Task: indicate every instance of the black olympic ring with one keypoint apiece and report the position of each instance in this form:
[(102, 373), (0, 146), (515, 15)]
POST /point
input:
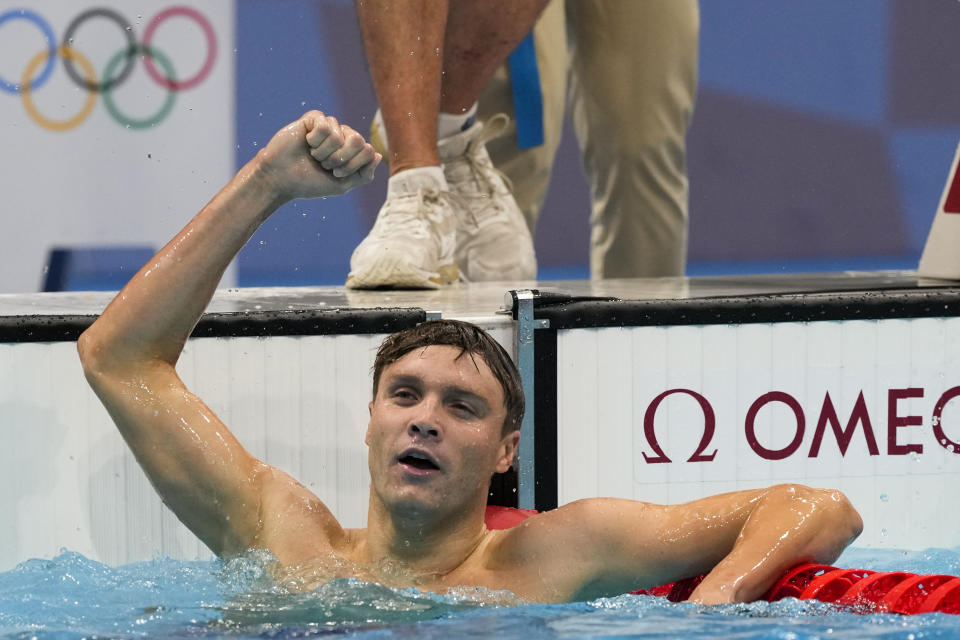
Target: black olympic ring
[(127, 30)]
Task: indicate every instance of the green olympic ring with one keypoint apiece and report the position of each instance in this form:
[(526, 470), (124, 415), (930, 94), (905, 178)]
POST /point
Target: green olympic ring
[(108, 102)]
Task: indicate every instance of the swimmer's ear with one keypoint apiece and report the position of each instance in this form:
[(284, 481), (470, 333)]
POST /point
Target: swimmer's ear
[(366, 437), (508, 451)]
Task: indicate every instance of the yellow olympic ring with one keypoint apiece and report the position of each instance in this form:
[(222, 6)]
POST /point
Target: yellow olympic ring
[(31, 109)]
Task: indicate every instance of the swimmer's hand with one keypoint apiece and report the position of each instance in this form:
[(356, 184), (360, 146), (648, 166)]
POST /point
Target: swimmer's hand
[(315, 157)]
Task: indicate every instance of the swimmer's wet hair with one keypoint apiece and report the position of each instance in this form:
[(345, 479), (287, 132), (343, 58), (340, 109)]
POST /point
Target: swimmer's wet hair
[(470, 339)]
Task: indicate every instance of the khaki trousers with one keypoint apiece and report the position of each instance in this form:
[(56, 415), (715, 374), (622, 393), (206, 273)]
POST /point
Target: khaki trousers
[(629, 70)]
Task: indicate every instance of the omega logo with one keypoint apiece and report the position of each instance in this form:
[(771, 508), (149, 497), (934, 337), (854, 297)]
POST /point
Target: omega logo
[(897, 440)]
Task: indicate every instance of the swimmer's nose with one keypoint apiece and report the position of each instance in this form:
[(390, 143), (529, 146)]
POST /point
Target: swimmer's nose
[(424, 430), (426, 420)]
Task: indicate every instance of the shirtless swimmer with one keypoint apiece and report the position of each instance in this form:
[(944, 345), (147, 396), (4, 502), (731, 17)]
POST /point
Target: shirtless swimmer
[(443, 419)]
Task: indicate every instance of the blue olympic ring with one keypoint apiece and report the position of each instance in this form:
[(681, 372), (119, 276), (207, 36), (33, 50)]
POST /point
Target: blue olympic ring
[(30, 16)]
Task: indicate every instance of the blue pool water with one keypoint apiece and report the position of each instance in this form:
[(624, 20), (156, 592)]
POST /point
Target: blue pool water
[(71, 596)]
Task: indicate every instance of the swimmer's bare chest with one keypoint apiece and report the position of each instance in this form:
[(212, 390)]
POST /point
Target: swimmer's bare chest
[(343, 560), (313, 549)]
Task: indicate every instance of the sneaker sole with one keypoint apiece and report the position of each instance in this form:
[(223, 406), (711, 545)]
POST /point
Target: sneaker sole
[(391, 274)]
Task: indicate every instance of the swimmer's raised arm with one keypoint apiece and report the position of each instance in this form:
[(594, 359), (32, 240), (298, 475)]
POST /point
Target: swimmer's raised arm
[(200, 470), (743, 540)]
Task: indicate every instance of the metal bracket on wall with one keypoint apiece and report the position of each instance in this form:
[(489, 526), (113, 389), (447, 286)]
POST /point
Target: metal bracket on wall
[(520, 304)]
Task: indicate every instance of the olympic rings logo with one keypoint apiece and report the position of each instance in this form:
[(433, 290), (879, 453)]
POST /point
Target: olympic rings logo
[(116, 71)]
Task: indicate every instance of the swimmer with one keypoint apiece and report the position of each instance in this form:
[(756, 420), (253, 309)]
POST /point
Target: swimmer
[(444, 417)]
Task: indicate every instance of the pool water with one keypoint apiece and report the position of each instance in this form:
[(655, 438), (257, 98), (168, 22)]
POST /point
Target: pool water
[(72, 596)]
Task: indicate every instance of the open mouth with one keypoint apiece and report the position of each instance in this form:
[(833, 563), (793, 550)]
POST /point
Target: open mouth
[(418, 461)]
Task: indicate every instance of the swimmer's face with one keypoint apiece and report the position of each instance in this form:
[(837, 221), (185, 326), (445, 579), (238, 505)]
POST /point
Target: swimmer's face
[(435, 431)]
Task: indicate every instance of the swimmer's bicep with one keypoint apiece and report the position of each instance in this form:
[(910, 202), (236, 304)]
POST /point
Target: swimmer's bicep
[(647, 543), (683, 540)]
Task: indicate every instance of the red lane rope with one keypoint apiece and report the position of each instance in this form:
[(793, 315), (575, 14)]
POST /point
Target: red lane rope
[(861, 590)]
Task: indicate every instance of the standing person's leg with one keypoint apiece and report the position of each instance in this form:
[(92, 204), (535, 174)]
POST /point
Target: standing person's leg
[(529, 169), (493, 239), (404, 42), (480, 35), (417, 69), (633, 89), (412, 241)]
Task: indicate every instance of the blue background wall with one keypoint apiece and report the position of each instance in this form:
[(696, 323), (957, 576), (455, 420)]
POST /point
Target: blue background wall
[(822, 137)]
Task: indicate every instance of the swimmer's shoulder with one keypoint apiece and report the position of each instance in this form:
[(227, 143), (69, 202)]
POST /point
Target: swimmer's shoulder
[(295, 524), (541, 536), (566, 541), (543, 558)]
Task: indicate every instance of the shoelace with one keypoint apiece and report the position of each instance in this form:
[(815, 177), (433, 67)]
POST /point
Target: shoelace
[(410, 218), (480, 166)]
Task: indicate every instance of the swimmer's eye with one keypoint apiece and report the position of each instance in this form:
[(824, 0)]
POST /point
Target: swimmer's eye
[(405, 394), (464, 409)]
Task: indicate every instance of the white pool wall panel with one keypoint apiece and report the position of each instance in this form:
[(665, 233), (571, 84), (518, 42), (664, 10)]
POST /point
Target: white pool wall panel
[(608, 377)]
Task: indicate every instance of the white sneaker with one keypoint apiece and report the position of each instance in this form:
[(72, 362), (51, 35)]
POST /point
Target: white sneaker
[(493, 241), (411, 245)]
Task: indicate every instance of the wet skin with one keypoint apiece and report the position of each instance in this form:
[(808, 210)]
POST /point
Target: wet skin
[(435, 439)]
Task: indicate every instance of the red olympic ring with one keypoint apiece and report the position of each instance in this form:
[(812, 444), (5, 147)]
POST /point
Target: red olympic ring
[(211, 37)]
